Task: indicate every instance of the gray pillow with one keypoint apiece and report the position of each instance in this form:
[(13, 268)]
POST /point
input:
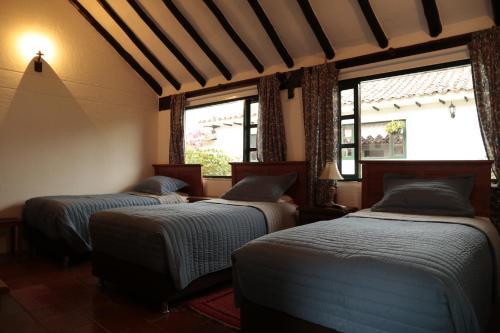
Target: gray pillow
[(159, 185), (443, 196), (260, 188)]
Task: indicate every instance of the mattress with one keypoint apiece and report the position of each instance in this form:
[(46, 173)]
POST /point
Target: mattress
[(186, 241), (67, 217), (383, 273)]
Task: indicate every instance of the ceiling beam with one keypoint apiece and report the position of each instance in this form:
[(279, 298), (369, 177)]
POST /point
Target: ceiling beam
[(139, 44), (495, 5), (432, 16), (167, 42), (316, 28), (234, 36), (118, 48), (198, 40), (372, 21), (267, 25)]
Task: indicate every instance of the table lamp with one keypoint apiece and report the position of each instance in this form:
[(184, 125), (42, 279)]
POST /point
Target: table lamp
[(331, 172)]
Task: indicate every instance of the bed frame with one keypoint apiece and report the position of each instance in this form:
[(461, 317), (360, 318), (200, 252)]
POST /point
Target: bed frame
[(258, 318), (158, 286), (59, 249)]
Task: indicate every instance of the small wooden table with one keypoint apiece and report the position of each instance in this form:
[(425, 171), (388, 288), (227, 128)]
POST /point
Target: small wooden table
[(311, 214), (14, 223), (198, 198)]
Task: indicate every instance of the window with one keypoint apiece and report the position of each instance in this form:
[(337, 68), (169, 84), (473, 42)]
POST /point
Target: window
[(423, 114), (220, 133)]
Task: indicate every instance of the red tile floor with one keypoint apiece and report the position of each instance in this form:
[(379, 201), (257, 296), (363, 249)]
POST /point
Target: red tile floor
[(55, 299), (44, 297)]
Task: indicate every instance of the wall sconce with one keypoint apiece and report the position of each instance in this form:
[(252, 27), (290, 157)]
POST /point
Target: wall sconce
[(38, 62), (452, 108)]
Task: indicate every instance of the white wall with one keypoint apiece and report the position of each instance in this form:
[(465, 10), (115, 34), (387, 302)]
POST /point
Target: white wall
[(87, 124)]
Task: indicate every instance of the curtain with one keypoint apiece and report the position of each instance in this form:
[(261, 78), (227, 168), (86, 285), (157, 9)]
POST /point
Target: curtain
[(485, 59), (320, 106), (271, 140), (176, 150)]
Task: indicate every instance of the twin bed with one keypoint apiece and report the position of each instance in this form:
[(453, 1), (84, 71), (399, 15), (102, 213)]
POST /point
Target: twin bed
[(59, 224), (376, 271)]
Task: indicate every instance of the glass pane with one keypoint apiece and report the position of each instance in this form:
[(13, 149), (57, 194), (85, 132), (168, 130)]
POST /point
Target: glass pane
[(421, 116), (253, 156), (253, 137), (348, 135), (348, 161), (254, 113), (347, 102), (214, 137)]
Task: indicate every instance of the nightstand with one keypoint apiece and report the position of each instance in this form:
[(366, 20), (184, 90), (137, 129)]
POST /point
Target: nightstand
[(199, 198), (310, 214)]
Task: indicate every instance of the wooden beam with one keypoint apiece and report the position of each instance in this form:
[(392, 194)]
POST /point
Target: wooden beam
[(372, 21), (405, 51), (234, 36), (292, 79), (139, 44), (118, 48), (167, 42), (432, 16), (316, 28), (267, 25), (495, 5), (198, 40)]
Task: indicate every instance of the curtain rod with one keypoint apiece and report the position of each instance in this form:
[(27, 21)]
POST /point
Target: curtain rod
[(292, 79)]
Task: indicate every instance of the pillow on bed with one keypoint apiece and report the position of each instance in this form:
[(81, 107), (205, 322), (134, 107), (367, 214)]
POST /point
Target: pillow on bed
[(159, 185), (443, 196), (260, 188)]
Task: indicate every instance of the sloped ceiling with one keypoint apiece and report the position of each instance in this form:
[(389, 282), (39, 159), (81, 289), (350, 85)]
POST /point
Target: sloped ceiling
[(343, 22)]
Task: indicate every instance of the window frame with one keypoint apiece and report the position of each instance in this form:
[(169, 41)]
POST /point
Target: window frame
[(355, 83), (248, 100)]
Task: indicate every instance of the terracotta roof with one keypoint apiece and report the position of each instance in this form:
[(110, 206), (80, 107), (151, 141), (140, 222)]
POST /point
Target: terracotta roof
[(412, 85)]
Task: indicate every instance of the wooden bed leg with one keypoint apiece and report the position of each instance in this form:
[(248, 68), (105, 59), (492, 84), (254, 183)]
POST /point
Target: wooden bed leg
[(164, 307), (65, 261)]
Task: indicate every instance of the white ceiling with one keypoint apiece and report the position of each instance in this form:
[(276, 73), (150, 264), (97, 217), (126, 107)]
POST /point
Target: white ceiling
[(403, 22)]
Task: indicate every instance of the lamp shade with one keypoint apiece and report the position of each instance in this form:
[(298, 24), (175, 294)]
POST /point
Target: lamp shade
[(330, 172)]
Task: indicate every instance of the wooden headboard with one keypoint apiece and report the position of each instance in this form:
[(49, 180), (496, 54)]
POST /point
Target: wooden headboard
[(373, 174), (298, 191), (190, 173)]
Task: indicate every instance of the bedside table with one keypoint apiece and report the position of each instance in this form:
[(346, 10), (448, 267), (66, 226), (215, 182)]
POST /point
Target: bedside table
[(199, 198), (310, 214)]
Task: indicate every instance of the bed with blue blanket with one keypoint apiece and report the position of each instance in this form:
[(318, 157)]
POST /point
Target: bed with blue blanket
[(59, 224), (374, 271)]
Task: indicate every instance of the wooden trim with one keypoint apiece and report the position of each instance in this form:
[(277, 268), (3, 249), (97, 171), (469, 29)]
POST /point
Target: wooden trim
[(197, 38), (271, 32), (234, 36), (372, 21), (139, 44), (316, 28), (118, 48), (167, 42), (432, 16), (495, 6)]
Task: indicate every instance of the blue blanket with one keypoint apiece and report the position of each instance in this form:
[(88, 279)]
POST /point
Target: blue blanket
[(372, 275), (67, 217), (186, 240)]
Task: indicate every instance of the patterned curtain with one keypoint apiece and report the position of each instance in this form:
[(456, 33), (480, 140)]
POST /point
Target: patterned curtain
[(319, 99), (271, 140), (485, 58), (176, 151)]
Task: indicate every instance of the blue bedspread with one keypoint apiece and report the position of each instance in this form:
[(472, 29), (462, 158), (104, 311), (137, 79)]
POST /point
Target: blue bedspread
[(67, 217), (186, 240), (372, 275)]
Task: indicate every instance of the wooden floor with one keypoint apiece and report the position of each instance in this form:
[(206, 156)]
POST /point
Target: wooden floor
[(69, 300), (55, 299)]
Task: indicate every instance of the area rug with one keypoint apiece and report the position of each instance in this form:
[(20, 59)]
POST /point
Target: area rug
[(218, 306)]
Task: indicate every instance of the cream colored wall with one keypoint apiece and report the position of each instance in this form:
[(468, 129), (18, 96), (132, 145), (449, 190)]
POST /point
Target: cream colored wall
[(87, 124)]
